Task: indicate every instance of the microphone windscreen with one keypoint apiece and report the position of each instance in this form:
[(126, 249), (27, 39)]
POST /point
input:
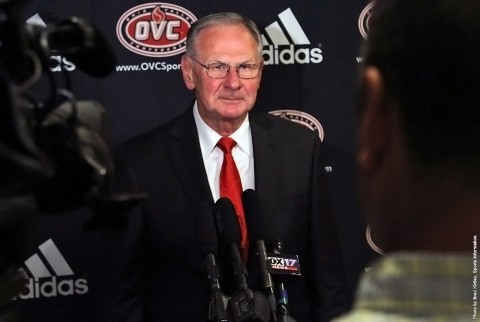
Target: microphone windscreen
[(227, 222), (255, 216), (206, 233)]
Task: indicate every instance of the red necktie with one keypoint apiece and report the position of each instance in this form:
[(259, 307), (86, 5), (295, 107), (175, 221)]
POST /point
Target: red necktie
[(231, 187)]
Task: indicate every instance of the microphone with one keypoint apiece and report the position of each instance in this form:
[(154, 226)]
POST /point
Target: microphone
[(82, 44), (255, 219), (244, 304), (280, 264), (208, 244)]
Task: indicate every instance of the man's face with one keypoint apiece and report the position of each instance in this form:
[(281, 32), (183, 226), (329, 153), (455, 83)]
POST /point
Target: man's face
[(386, 175), (230, 98)]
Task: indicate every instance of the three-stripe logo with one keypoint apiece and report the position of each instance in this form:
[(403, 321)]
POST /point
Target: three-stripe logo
[(292, 28), (54, 258), (285, 42), (50, 275)]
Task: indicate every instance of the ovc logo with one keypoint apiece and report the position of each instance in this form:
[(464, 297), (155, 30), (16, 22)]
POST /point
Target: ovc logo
[(155, 29), (302, 118), (364, 20)]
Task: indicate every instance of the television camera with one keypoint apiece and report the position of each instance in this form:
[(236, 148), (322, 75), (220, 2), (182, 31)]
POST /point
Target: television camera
[(53, 153)]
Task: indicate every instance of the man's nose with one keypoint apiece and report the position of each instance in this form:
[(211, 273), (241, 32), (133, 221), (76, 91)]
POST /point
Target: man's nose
[(232, 80)]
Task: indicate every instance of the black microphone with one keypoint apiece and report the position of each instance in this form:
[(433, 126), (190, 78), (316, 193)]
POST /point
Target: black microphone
[(245, 304), (257, 227), (83, 45), (208, 245)]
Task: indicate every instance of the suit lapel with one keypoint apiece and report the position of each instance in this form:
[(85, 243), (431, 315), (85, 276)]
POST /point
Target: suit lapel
[(184, 149), (265, 148)]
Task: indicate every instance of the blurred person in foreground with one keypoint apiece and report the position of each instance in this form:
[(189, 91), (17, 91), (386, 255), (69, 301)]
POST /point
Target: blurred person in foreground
[(418, 160), (178, 165)]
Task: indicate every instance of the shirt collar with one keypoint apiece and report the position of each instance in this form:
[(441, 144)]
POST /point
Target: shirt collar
[(209, 138), (410, 282)]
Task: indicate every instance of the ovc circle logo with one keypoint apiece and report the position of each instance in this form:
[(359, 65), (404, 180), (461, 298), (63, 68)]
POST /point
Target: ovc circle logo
[(302, 118), (155, 29), (364, 20), (371, 242)]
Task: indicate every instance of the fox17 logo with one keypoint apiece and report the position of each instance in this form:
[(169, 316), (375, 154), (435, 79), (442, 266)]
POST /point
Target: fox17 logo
[(283, 264)]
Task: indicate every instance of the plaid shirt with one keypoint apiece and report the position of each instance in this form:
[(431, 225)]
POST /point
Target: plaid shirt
[(419, 287)]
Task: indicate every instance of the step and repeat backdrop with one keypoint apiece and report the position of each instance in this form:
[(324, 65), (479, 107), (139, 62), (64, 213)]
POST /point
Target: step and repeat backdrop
[(311, 53)]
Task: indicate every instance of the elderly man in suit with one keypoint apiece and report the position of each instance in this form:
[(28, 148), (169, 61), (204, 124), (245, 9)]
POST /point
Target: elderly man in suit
[(179, 165)]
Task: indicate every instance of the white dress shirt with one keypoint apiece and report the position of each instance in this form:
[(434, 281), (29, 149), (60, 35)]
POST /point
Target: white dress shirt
[(213, 157)]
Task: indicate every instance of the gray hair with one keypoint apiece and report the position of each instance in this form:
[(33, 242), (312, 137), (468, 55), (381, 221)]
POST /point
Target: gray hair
[(221, 19)]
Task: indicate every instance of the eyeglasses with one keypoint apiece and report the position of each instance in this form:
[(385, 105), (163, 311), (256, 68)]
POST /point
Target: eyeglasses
[(220, 70)]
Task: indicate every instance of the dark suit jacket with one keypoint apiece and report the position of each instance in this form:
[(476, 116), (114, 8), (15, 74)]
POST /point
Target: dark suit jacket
[(167, 280)]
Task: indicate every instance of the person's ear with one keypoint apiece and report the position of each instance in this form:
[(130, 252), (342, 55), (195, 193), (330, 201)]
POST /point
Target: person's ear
[(374, 128), (187, 72)]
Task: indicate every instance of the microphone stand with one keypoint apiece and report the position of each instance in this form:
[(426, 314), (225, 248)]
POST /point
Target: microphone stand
[(282, 293), (218, 301), (266, 279), (241, 303), (244, 305)]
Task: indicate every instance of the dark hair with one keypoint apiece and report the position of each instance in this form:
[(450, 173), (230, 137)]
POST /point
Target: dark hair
[(428, 52), (220, 19)]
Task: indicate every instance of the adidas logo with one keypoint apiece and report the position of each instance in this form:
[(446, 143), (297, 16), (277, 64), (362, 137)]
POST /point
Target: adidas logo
[(36, 20), (50, 275), (57, 63), (285, 42)]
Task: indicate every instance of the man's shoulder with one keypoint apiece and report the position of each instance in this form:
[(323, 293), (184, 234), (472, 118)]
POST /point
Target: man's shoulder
[(174, 126)]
